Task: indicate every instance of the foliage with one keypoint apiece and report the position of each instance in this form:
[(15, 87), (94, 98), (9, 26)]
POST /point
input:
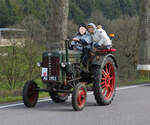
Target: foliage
[(20, 64), (13, 11), (126, 29)]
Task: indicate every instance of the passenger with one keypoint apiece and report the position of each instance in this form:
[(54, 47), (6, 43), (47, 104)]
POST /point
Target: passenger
[(82, 42), (99, 37)]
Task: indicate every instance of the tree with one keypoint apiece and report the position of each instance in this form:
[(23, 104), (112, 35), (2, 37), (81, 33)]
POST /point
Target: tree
[(144, 33), (128, 7), (116, 11), (34, 43), (20, 64), (58, 20), (126, 29), (76, 13), (7, 14), (11, 71)]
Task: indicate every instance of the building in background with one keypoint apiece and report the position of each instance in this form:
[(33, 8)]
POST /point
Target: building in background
[(11, 37)]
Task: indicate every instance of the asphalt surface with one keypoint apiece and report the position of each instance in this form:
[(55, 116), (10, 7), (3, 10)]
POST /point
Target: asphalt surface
[(130, 107)]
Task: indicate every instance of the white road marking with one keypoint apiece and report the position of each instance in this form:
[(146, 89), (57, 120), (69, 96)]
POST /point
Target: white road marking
[(18, 104), (89, 93), (132, 86), (12, 105)]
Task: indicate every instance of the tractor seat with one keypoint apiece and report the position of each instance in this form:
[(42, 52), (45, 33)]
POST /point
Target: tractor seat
[(107, 50)]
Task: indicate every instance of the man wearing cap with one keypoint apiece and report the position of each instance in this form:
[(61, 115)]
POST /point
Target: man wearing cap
[(99, 37), (82, 42), (82, 39)]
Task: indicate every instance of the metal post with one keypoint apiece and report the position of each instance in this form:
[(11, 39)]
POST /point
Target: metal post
[(0, 34), (66, 49)]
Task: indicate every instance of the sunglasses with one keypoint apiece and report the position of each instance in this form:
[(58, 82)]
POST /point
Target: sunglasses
[(89, 26)]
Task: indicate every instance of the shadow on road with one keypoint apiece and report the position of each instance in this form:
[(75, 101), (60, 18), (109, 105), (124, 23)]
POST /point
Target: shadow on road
[(148, 85), (52, 107)]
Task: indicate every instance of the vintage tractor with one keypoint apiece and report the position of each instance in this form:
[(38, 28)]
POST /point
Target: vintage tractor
[(63, 74)]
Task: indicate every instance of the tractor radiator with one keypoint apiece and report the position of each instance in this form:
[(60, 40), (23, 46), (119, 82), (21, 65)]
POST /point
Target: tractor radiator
[(53, 65)]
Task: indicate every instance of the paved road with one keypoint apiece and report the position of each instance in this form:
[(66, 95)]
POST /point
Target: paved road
[(130, 107)]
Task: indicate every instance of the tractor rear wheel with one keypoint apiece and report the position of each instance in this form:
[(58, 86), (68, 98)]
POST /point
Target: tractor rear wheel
[(30, 94), (105, 82)]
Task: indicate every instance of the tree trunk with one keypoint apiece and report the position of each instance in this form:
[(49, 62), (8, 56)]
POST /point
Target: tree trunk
[(58, 20), (144, 33)]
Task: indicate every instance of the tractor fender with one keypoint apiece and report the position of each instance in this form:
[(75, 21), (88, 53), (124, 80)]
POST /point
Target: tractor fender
[(102, 59)]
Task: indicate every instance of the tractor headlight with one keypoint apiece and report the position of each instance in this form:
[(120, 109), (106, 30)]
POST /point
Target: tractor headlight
[(38, 64), (63, 65)]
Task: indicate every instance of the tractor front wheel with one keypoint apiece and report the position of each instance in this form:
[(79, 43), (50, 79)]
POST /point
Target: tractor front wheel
[(30, 94), (79, 96)]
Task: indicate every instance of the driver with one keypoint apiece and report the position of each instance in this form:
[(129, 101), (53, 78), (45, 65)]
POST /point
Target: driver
[(99, 37), (82, 39), (82, 42)]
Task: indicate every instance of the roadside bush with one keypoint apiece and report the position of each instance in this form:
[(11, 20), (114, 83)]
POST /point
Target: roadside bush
[(20, 64), (126, 29)]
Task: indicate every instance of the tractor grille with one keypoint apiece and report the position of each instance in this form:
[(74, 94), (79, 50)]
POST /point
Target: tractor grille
[(45, 62), (52, 63), (54, 66)]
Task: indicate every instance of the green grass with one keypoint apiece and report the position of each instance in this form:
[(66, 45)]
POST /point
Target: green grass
[(10, 99), (133, 82), (8, 95), (19, 98)]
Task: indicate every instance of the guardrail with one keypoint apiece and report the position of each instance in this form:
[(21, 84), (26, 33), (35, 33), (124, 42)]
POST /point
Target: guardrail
[(12, 42), (144, 70)]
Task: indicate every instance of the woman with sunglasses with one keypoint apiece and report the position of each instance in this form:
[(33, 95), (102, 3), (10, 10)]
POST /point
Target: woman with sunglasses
[(99, 37)]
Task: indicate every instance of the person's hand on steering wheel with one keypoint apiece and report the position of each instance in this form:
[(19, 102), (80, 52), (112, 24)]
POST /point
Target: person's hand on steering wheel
[(76, 39)]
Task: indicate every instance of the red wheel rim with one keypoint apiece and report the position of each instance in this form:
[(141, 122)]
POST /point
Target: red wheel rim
[(32, 94), (81, 97), (108, 80)]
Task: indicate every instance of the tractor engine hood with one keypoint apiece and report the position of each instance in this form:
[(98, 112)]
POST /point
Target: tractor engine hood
[(71, 53)]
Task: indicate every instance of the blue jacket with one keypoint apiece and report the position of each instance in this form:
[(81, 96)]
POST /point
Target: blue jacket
[(85, 41)]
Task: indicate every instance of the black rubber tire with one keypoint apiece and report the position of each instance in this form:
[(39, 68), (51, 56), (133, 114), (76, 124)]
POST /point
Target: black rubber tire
[(75, 93), (57, 98), (30, 95), (99, 97)]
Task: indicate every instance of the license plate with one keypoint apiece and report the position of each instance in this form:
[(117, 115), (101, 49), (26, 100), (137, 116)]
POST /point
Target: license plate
[(44, 72), (45, 75), (53, 78)]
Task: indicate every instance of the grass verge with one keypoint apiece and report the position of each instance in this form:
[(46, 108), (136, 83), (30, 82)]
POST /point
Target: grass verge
[(133, 82), (19, 98)]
